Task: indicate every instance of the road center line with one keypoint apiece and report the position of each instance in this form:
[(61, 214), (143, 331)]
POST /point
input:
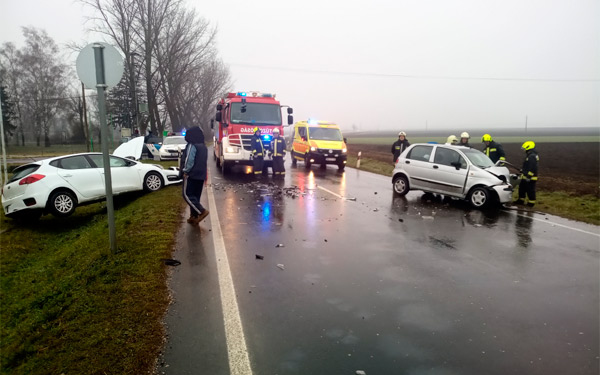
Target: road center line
[(335, 194), (237, 352), (559, 225)]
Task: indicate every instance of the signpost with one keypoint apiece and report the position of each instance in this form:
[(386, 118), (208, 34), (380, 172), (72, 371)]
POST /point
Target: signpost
[(100, 67)]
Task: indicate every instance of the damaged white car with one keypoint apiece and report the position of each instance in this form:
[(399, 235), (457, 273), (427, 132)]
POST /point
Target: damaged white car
[(58, 185), (454, 171)]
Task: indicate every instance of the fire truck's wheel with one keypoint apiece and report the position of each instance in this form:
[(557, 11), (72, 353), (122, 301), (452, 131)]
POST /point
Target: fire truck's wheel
[(306, 162), (214, 156), (224, 167), (218, 162), (294, 161)]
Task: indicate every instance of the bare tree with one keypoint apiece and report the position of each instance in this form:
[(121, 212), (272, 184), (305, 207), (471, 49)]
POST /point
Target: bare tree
[(11, 74)]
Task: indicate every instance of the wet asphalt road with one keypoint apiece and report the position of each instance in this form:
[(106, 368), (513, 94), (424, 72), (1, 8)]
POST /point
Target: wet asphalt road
[(382, 284)]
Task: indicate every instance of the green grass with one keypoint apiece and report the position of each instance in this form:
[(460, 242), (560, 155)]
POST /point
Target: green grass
[(582, 208), (69, 305), (474, 141)]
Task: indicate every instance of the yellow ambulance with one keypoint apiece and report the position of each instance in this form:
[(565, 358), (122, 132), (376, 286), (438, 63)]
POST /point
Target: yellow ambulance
[(318, 142)]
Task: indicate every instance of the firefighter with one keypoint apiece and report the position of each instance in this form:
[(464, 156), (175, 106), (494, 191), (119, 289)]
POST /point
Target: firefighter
[(258, 151), (529, 174), (400, 145), (452, 140), (464, 139), (492, 149), (278, 146)]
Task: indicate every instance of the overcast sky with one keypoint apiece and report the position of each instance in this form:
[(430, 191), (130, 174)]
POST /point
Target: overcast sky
[(393, 64)]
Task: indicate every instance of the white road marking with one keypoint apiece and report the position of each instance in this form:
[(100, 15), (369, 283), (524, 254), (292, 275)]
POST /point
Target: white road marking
[(237, 352), (559, 225), (334, 194)]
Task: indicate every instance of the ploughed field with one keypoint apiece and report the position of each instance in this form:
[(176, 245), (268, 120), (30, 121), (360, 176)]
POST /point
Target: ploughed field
[(570, 167)]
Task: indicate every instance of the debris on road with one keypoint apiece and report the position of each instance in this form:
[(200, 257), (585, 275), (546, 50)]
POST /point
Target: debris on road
[(401, 220), (427, 217), (260, 257), (171, 262), (280, 245), (360, 372), (281, 266)]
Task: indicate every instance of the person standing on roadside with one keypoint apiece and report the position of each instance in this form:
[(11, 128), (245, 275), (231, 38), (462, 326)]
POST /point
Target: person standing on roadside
[(400, 145), (258, 152), (193, 167), (464, 139), (529, 175), (492, 149), (278, 146)]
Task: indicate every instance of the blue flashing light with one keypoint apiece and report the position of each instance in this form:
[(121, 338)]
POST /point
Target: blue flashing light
[(241, 94), (183, 131), (312, 122), (267, 137)]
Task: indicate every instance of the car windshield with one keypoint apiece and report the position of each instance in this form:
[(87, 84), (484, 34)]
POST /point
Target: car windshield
[(174, 141), (256, 113), (324, 134), (478, 158)]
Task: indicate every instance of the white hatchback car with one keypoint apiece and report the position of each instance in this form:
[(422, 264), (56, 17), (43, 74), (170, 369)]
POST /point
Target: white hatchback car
[(455, 171), (171, 147), (58, 185)]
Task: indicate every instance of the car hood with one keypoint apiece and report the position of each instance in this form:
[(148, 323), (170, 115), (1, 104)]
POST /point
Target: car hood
[(131, 149), (499, 171)]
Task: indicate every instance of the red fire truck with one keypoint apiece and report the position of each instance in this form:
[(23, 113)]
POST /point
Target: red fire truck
[(237, 116)]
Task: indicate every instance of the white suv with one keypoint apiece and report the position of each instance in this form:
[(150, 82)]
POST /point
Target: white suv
[(454, 171)]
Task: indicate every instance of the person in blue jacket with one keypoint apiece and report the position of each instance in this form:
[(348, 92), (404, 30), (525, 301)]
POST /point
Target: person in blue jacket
[(193, 166)]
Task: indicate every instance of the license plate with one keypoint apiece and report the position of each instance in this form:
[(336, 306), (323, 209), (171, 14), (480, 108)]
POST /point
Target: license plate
[(329, 159)]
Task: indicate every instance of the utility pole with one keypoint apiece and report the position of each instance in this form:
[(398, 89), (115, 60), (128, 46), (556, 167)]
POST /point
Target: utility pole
[(4, 168), (86, 129)]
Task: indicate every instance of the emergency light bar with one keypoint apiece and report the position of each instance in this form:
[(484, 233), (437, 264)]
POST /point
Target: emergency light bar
[(253, 94)]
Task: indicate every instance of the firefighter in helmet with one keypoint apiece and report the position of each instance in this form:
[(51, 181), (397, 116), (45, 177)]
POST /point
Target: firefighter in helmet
[(452, 140), (464, 139), (492, 149), (400, 145), (529, 174), (278, 146), (258, 152)]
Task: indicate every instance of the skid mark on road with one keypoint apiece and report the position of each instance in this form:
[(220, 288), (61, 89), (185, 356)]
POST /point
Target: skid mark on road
[(237, 352)]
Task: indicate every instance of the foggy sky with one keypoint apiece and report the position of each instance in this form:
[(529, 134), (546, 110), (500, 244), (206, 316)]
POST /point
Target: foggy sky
[(393, 64)]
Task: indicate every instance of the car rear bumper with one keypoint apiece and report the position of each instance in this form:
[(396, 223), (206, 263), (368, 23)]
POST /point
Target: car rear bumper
[(23, 202)]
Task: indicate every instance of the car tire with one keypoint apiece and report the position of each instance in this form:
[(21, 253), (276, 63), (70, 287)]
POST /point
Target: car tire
[(400, 185), (294, 161), (62, 203), (153, 182), (307, 163), (479, 197), (341, 166)]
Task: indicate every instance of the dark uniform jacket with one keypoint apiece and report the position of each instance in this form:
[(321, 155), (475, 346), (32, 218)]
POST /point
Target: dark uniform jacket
[(466, 144), (278, 146), (494, 151), (398, 147), (258, 149), (530, 166), (195, 155)]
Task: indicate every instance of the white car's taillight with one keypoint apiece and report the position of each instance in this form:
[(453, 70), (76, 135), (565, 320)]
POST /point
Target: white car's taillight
[(31, 179)]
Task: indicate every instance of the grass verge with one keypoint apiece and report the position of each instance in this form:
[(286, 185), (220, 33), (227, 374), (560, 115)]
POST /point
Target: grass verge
[(69, 306), (584, 208)]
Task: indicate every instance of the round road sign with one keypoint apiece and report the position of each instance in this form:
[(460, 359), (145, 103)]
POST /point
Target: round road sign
[(86, 66)]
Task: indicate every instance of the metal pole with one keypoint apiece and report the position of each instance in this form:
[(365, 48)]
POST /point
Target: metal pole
[(101, 86), (4, 168)]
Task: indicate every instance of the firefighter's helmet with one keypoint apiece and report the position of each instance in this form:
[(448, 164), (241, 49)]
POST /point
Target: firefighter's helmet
[(256, 129), (529, 145), (402, 133), (486, 138), (275, 131), (465, 135), (452, 140)]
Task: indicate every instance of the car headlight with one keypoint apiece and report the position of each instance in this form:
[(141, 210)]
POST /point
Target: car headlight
[(313, 149), (231, 150), (344, 150)]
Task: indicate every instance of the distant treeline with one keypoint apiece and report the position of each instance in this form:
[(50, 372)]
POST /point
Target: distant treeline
[(567, 131)]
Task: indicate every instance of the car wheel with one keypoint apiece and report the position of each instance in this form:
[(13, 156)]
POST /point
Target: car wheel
[(294, 161), (341, 166), (306, 162), (153, 182), (62, 203), (400, 184), (479, 197)]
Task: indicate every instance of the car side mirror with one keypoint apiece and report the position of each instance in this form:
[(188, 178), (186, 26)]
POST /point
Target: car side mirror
[(219, 107), (212, 124), (218, 117), (345, 140), (290, 119), (456, 165), (290, 110)]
